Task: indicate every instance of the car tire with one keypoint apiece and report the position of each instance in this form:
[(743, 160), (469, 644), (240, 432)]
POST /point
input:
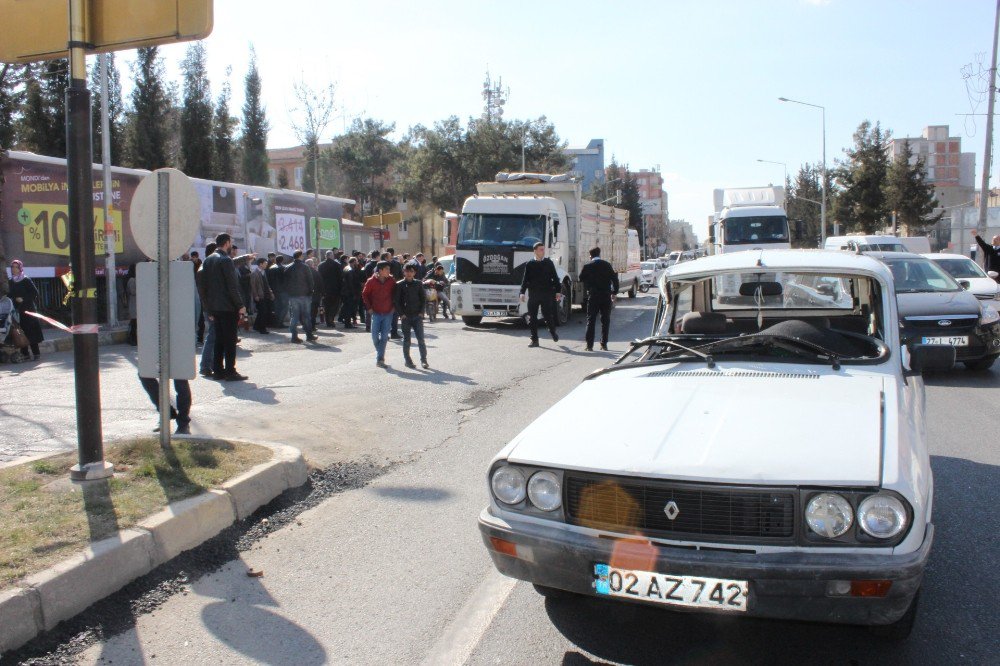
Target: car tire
[(644, 288), (471, 320), (632, 290), (901, 628), (980, 365)]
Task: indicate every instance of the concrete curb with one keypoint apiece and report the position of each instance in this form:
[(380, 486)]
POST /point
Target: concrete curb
[(45, 599), (65, 343)]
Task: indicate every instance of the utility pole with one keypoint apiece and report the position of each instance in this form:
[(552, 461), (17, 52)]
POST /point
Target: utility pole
[(80, 183), (110, 238), (984, 193)]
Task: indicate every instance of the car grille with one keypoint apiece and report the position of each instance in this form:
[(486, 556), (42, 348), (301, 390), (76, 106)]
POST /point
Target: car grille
[(703, 512), (933, 323)]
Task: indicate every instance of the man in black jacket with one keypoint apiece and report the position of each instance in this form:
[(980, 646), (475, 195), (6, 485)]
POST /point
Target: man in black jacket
[(601, 282), (396, 271), (991, 253), (409, 300), (225, 304), (542, 284), (299, 286), (332, 272), (275, 278)]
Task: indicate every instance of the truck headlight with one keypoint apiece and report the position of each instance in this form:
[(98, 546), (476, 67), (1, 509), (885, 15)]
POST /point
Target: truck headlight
[(545, 491), (508, 485), (829, 515), (988, 315), (882, 516)]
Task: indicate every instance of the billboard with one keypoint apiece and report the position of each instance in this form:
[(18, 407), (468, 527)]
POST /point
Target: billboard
[(34, 221)]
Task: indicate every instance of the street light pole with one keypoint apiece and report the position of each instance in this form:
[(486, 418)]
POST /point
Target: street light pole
[(783, 166), (822, 211)]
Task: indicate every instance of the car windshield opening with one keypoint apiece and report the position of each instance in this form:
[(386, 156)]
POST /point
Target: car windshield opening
[(510, 230), (961, 268), (916, 275), (756, 229)]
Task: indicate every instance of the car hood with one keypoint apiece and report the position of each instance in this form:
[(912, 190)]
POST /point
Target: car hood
[(937, 303), (802, 426), (982, 287)]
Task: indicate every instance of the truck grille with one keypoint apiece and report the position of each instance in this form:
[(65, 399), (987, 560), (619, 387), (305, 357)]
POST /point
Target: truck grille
[(494, 296), (699, 512)]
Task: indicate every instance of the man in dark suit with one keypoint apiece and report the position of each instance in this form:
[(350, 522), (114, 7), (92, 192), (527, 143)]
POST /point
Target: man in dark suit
[(601, 282), (332, 272), (991, 253), (541, 281), (225, 305)]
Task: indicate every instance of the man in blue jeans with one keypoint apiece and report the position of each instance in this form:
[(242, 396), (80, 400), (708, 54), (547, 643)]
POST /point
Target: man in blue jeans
[(410, 302), (378, 298), (299, 283)]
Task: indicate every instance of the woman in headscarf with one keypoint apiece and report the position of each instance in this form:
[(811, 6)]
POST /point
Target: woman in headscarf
[(25, 297)]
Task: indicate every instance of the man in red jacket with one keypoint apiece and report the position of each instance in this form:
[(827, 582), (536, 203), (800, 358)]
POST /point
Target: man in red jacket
[(378, 298)]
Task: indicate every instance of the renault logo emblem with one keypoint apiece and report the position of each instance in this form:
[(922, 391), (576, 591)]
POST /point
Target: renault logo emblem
[(671, 510), (944, 322)]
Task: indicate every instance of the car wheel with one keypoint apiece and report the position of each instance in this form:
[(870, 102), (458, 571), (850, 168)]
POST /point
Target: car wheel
[(901, 628), (980, 365), (632, 290), (470, 320)]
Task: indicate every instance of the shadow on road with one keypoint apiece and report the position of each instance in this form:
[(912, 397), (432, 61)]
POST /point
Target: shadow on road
[(431, 376), (413, 493), (250, 392), (957, 620), (960, 377)]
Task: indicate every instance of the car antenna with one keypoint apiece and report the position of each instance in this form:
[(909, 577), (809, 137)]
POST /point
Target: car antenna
[(760, 259)]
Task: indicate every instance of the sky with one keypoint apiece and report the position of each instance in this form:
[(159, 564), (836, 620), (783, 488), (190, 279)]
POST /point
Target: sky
[(691, 87)]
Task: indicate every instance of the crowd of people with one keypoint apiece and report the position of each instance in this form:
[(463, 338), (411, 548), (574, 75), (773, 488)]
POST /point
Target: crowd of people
[(266, 293)]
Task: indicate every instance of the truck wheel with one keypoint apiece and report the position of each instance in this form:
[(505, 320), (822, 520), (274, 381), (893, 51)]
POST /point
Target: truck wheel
[(901, 628), (471, 320), (565, 307), (632, 290), (980, 365)]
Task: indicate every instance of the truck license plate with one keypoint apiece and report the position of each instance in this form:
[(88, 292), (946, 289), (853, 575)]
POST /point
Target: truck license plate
[(494, 313), (672, 590), (948, 340)]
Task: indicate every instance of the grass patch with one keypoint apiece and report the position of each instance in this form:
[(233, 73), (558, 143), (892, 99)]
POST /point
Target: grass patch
[(45, 518)]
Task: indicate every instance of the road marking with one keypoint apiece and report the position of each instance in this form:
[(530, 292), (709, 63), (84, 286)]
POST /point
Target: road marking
[(462, 636)]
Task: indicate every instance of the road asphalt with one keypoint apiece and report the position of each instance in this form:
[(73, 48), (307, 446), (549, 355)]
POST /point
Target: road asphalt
[(395, 571)]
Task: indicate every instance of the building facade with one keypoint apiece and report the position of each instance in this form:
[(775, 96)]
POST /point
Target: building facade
[(949, 170), (653, 199), (588, 163)]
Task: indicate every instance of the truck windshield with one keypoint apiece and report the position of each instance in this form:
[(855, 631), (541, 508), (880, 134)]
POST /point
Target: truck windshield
[(757, 229), (491, 229)]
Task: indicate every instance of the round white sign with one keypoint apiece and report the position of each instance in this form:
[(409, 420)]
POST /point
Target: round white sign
[(183, 214)]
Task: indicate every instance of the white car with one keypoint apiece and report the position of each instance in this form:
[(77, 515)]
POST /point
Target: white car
[(731, 489), (969, 274)]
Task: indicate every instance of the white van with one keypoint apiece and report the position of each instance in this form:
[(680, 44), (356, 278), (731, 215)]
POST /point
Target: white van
[(868, 244)]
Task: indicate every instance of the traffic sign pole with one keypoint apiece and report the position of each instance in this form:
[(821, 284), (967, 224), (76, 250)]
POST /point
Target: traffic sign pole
[(163, 284), (80, 183)]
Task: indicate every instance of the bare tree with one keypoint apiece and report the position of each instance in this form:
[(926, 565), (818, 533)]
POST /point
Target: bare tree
[(309, 119)]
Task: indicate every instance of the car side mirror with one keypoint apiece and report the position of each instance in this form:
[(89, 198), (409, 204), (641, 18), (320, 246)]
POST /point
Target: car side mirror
[(964, 284), (993, 274), (933, 358)]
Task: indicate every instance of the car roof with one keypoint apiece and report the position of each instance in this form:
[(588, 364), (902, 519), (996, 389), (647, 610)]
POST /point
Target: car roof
[(945, 255), (832, 260), (885, 256)]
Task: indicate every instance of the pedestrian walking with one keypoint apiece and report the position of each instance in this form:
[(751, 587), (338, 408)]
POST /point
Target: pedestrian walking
[(225, 305), (317, 295), (410, 301), (182, 413), (351, 277), (368, 271), (991, 253), (275, 278), (378, 297), (24, 294), (299, 287), (600, 280), (332, 273), (541, 281), (263, 297)]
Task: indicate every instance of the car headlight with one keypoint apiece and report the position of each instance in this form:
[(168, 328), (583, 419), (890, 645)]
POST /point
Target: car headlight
[(882, 516), (829, 515), (989, 315), (544, 491), (508, 484)]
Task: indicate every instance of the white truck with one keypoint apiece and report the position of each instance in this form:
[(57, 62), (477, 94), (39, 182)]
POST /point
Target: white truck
[(503, 221), (747, 218)]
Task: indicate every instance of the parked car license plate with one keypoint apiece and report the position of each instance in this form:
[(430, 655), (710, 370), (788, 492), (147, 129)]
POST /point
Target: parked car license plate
[(951, 340), (672, 590), (494, 313)]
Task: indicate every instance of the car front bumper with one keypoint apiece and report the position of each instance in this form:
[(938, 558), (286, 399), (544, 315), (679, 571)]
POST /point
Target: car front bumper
[(794, 585)]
